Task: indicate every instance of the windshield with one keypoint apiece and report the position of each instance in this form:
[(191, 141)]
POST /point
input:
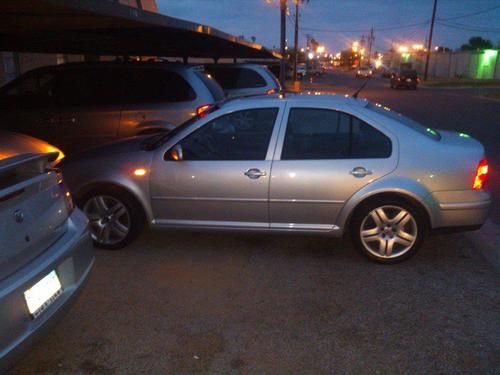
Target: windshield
[(408, 122)]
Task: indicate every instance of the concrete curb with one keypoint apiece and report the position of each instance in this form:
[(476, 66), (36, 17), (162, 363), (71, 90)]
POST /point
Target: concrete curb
[(487, 241), (423, 86)]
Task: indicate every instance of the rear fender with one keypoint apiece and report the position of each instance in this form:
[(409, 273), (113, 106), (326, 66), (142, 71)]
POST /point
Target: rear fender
[(406, 187)]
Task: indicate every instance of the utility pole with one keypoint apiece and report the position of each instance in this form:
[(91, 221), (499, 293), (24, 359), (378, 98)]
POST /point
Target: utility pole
[(370, 43), (296, 41), (282, 42), (429, 44)]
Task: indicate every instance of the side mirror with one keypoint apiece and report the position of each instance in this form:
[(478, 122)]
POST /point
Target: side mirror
[(174, 154)]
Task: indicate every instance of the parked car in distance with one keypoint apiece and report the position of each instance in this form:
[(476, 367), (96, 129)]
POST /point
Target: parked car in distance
[(320, 164), (78, 105), (301, 70), (45, 249), (405, 78), (244, 79), (364, 71)]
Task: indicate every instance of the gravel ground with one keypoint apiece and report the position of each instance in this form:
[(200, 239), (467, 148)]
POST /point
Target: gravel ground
[(182, 302)]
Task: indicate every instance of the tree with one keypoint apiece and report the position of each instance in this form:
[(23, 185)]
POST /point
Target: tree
[(476, 43)]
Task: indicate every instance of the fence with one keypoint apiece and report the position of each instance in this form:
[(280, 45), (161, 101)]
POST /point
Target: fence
[(468, 64)]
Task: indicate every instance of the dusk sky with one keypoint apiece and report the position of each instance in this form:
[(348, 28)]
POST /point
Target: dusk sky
[(336, 23)]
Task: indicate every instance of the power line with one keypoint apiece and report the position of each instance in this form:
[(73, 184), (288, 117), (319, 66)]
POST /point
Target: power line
[(470, 14), (366, 30), (472, 26), (469, 28)]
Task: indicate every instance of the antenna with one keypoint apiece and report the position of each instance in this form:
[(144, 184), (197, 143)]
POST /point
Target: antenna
[(355, 95)]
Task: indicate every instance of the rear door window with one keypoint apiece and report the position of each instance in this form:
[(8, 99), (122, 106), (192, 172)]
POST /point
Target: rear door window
[(156, 86), (88, 87), (316, 134)]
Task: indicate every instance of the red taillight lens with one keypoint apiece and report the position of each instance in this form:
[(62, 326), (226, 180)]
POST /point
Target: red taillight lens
[(481, 175), (271, 91), (203, 110)]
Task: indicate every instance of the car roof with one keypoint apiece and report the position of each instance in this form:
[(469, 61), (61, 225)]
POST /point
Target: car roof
[(127, 64), (306, 98)]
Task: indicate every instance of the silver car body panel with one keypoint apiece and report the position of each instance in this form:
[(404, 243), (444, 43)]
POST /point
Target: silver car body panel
[(316, 196), (40, 234)]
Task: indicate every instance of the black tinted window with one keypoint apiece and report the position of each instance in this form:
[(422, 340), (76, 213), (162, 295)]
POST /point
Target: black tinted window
[(156, 86), (33, 89), (242, 135), (327, 134), (82, 87), (237, 78)]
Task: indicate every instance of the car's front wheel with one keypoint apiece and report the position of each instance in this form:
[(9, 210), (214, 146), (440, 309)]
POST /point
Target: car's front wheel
[(115, 217), (388, 232)]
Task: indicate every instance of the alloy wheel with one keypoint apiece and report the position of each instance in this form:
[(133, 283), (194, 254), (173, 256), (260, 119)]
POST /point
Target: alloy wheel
[(388, 231), (109, 219)]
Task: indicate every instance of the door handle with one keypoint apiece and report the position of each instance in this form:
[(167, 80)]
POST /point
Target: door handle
[(254, 173), (360, 172)]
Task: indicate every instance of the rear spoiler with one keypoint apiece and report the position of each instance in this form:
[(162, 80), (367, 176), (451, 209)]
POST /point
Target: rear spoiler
[(26, 163)]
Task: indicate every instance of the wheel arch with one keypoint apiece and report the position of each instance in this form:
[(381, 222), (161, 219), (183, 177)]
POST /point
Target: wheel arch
[(408, 197), (96, 185)]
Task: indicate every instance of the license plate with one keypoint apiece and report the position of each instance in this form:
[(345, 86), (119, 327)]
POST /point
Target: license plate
[(43, 294), (408, 79)]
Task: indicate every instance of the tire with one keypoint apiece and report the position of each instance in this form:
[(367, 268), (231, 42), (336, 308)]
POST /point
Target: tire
[(393, 230), (116, 218)]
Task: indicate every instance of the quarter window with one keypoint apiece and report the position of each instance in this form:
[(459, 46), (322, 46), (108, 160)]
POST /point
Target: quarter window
[(237, 78), (327, 134), (156, 86), (242, 135)]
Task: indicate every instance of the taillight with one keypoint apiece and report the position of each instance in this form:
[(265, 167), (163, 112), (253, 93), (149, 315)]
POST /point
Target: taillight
[(271, 91), (203, 110), (68, 199), (481, 175)]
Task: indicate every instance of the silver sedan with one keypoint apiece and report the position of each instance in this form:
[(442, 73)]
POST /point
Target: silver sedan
[(322, 164)]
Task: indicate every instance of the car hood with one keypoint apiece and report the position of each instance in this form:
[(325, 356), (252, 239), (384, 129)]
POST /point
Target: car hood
[(125, 145)]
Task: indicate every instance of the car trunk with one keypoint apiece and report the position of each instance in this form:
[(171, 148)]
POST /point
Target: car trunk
[(33, 209)]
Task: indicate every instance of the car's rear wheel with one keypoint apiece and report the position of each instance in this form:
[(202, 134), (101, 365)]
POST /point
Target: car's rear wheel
[(388, 232), (115, 217)]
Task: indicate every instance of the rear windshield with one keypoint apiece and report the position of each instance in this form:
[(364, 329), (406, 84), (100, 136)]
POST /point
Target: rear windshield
[(212, 86), (408, 122), (409, 73)]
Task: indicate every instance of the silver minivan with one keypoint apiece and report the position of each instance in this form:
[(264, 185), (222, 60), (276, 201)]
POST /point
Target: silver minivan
[(46, 252), (79, 105)]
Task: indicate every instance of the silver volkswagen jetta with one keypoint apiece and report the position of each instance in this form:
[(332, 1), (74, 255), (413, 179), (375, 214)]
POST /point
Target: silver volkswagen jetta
[(321, 164)]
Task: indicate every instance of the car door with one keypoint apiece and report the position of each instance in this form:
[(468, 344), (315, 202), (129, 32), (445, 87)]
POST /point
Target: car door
[(88, 104), (26, 106), (223, 177), (323, 157)]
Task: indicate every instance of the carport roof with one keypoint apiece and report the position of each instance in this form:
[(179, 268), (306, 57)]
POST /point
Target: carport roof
[(104, 27)]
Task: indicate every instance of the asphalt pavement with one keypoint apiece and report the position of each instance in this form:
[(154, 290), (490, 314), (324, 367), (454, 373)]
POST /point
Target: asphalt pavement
[(182, 302)]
